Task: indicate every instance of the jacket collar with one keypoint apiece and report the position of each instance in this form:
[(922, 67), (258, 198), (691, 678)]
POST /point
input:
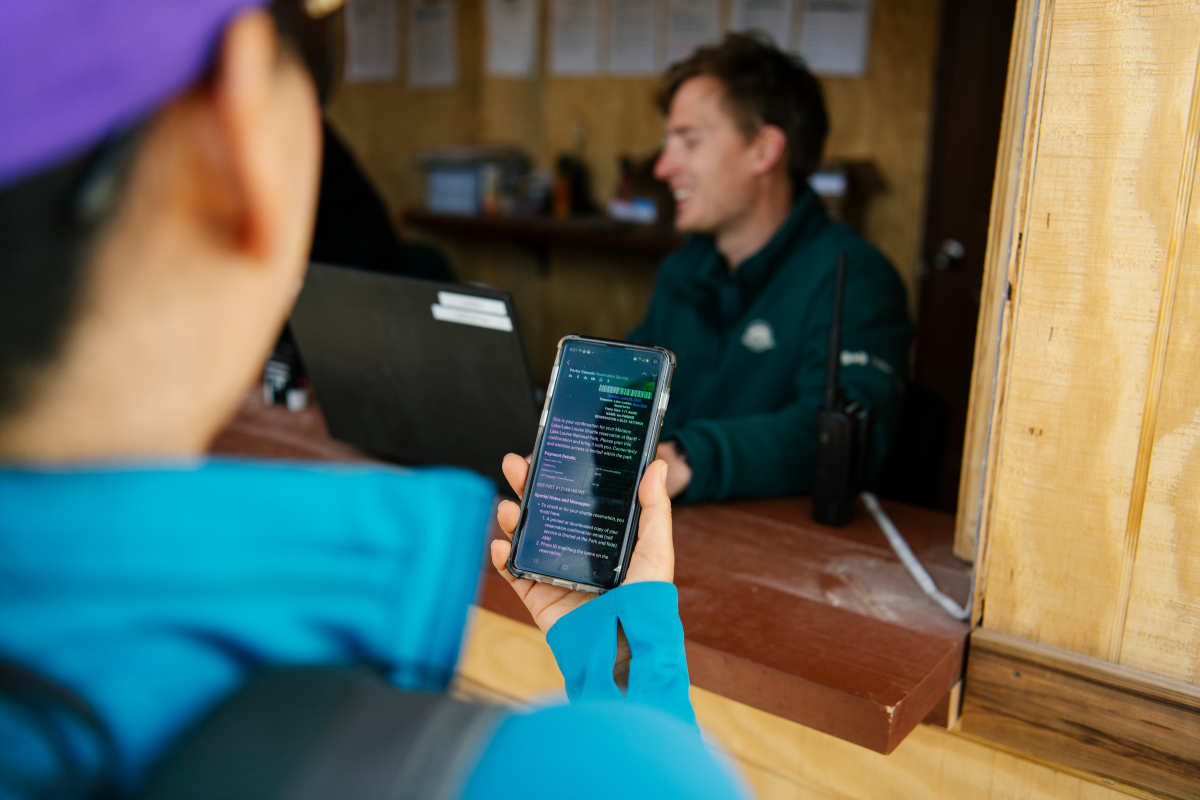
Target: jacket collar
[(711, 276)]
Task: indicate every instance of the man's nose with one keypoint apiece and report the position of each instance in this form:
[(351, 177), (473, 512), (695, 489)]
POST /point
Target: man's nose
[(663, 167)]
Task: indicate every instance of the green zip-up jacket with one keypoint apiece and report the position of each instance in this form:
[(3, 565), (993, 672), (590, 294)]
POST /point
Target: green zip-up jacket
[(752, 349)]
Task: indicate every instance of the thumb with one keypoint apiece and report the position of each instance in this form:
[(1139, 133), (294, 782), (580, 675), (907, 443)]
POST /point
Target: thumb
[(654, 554)]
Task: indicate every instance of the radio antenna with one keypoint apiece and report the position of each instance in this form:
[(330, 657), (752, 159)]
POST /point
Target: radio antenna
[(833, 367)]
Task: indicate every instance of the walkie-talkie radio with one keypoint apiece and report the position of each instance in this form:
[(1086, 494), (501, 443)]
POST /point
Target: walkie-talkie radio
[(843, 431)]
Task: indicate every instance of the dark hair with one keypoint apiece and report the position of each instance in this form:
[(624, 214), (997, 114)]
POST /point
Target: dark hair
[(49, 224), (763, 86)]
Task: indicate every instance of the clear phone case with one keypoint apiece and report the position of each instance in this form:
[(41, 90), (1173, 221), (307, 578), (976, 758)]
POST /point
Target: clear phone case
[(654, 428)]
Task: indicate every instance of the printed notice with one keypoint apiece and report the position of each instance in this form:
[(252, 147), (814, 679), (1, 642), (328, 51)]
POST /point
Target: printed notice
[(770, 17), (632, 37), (836, 36), (371, 40), (690, 24), (512, 35), (432, 44), (574, 35)]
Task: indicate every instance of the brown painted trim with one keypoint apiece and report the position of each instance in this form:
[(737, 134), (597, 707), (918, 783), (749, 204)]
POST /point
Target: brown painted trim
[(1105, 719)]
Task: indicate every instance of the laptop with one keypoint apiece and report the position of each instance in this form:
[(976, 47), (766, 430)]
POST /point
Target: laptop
[(417, 372)]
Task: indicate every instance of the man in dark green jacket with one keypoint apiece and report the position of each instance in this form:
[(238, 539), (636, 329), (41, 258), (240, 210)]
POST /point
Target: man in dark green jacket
[(746, 302)]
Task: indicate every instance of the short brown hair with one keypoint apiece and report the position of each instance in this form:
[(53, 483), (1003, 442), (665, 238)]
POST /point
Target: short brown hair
[(763, 86)]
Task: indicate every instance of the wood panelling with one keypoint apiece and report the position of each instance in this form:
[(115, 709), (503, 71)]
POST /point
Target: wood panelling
[(1161, 629), (781, 759), (884, 116), (1118, 722), (1014, 170), (1097, 234)]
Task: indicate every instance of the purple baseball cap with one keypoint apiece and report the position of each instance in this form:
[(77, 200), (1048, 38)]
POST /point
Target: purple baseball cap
[(73, 72)]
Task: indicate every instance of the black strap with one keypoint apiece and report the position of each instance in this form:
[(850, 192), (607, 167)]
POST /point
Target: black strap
[(323, 733), (86, 761)]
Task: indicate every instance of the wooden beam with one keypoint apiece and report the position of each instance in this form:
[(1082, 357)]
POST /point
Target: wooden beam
[(1015, 157), (1088, 714)]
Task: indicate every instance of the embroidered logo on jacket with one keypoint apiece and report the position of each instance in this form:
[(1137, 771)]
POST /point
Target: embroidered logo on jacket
[(759, 336)]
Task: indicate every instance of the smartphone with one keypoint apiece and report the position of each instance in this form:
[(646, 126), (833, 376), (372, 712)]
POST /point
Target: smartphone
[(598, 433)]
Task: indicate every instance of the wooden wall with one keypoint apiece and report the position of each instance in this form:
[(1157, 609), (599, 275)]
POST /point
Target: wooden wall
[(885, 116), (1093, 538)]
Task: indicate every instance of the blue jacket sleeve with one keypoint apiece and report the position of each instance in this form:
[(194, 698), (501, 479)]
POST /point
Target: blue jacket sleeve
[(585, 644), (599, 750)]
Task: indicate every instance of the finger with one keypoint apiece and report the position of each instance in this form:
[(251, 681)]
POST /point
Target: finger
[(500, 551), (508, 514), (655, 546), (516, 469)]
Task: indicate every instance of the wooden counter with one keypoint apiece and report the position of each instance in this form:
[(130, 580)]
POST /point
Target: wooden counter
[(817, 625)]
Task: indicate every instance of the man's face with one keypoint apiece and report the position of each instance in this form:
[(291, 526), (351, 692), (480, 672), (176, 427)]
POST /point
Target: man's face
[(706, 159)]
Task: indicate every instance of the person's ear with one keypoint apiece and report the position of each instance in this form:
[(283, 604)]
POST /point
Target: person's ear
[(768, 148), (242, 85)]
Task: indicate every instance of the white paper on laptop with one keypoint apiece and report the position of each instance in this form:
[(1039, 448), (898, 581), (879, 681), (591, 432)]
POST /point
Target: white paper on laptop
[(467, 309)]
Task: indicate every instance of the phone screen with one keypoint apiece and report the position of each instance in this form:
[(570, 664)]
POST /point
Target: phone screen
[(596, 432)]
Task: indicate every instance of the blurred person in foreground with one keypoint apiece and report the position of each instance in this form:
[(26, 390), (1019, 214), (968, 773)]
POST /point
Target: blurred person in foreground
[(158, 179), (746, 302)]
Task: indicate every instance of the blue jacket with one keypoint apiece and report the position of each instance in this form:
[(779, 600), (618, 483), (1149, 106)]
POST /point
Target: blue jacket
[(154, 592)]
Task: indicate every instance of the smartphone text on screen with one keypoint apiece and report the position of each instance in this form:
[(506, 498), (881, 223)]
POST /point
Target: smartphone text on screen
[(583, 490)]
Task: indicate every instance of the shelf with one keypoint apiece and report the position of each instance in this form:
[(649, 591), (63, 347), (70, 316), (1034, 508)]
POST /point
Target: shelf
[(599, 233)]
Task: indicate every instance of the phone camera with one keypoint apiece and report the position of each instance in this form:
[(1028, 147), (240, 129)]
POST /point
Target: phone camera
[(655, 361)]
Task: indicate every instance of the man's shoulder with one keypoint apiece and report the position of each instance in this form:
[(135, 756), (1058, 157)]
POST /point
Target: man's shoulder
[(835, 238), (815, 260)]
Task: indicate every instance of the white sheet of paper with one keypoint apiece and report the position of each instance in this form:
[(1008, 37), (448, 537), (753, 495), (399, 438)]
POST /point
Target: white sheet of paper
[(432, 43), (512, 35), (836, 36), (691, 23), (772, 17), (631, 37), (574, 35), (371, 40)]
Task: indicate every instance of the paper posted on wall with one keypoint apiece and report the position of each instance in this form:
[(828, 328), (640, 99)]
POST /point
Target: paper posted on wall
[(690, 24), (432, 43), (512, 36), (575, 37), (371, 40), (770, 17), (632, 36), (836, 36)]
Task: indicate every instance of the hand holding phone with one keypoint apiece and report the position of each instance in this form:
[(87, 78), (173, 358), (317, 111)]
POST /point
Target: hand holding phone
[(653, 555), (600, 425)]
